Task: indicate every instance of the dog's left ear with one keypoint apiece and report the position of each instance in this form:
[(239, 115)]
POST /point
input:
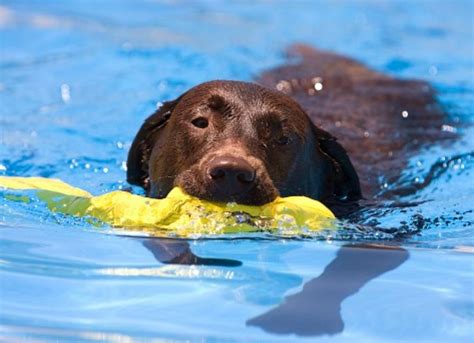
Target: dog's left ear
[(345, 181), (139, 154)]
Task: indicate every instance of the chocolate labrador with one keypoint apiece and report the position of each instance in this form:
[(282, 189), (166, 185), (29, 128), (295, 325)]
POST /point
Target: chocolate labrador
[(237, 141)]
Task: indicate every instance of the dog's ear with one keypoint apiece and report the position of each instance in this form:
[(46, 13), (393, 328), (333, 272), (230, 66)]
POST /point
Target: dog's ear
[(345, 182), (139, 154)]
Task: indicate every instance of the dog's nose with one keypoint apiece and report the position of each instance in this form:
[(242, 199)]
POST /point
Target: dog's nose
[(231, 174)]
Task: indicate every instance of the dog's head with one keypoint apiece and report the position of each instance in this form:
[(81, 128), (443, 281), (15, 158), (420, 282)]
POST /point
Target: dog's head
[(235, 141)]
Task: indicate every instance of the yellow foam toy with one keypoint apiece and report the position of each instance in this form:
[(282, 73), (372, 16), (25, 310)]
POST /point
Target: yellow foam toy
[(179, 214)]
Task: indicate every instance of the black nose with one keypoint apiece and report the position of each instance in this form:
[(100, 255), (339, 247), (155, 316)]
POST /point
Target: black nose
[(230, 175)]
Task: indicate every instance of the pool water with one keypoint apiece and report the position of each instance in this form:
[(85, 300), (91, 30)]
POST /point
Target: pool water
[(77, 78)]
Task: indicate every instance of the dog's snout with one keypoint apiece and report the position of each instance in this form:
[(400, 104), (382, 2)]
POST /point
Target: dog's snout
[(232, 174)]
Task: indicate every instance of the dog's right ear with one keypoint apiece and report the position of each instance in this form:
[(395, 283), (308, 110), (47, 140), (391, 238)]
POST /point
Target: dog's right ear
[(345, 181), (139, 154)]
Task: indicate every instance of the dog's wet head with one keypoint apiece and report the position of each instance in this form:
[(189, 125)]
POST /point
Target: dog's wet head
[(231, 141)]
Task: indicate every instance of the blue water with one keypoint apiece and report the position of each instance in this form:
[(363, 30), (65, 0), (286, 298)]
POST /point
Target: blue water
[(77, 78)]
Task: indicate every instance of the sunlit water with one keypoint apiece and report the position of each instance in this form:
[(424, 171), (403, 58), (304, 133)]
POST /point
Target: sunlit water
[(78, 78)]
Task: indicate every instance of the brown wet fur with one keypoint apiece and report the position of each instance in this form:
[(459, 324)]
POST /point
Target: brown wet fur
[(363, 109)]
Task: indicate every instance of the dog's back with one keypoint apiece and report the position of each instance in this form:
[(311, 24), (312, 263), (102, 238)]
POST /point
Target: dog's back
[(380, 120)]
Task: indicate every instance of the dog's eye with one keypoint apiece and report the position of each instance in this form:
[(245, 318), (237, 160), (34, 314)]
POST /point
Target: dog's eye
[(283, 140), (200, 122)]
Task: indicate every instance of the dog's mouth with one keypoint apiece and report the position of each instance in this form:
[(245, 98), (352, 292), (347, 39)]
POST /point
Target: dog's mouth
[(261, 191)]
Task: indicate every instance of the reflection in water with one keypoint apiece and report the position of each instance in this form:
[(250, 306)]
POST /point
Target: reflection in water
[(316, 310), (176, 251)]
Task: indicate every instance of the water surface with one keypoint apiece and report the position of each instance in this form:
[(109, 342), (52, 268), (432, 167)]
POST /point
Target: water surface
[(78, 78)]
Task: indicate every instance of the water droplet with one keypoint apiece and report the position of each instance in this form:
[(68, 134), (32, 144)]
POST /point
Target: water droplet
[(65, 92), (317, 83), (433, 70), (123, 165), (405, 114), (87, 166), (105, 170), (283, 86), (162, 85), (366, 134), (448, 128)]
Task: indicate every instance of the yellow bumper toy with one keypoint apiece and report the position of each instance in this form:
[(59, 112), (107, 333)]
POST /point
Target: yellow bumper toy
[(179, 214)]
